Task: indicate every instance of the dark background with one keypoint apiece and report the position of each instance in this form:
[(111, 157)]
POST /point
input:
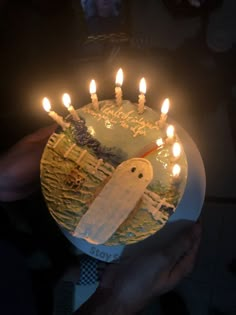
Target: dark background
[(45, 50)]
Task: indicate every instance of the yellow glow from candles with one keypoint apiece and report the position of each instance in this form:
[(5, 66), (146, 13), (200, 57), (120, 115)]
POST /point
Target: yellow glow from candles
[(176, 149), (176, 170), (92, 87), (170, 131), (46, 104), (119, 77), (142, 86), (66, 100), (159, 142), (165, 106)]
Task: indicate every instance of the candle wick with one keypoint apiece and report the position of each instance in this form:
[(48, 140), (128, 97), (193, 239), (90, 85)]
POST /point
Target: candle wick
[(155, 148)]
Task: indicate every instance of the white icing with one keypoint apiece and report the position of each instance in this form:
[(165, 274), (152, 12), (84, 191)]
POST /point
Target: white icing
[(116, 200), (55, 139), (153, 202), (82, 155), (69, 150), (100, 161)]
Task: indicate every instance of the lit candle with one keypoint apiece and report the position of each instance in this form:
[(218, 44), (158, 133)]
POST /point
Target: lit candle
[(66, 100), (170, 132), (150, 148), (58, 119), (176, 174), (176, 151), (94, 97), (118, 91), (142, 99), (164, 110), (159, 142)]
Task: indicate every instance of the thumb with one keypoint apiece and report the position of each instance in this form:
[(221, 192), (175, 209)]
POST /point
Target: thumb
[(42, 133), (184, 266), (183, 243)]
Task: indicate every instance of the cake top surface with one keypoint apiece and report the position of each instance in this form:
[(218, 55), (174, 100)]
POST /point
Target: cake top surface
[(110, 173)]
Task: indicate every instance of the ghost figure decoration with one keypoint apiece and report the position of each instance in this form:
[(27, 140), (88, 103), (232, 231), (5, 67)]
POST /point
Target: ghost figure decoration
[(116, 201)]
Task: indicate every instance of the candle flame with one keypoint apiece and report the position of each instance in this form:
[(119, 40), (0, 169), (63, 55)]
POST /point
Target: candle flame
[(159, 142), (92, 88), (66, 100), (119, 77), (142, 86), (170, 131), (165, 106), (46, 104), (176, 170), (176, 149)]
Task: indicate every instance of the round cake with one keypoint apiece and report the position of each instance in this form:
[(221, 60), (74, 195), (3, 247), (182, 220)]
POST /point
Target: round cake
[(107, 177)]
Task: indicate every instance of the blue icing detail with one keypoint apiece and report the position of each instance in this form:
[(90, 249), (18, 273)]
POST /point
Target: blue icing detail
[(82, 137)]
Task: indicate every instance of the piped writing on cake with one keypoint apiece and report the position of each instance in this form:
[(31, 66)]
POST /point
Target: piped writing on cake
[(128, 120)]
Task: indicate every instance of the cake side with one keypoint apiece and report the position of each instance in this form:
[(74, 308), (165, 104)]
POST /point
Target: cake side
[(77, 164)]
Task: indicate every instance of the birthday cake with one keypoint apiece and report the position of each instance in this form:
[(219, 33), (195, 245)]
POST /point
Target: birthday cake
[(110, 175)]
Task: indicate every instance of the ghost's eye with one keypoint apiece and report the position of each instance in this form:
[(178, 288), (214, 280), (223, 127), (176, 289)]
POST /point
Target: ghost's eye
[(140, 175), (133, 169)]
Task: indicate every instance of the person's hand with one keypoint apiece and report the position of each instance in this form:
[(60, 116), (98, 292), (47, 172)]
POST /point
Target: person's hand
[(19, 167), (135, 281)]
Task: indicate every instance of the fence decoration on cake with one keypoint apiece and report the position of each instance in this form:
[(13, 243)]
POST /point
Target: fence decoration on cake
[(84, 176)]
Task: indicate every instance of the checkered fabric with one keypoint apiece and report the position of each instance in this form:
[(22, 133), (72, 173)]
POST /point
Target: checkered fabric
[(88, 270)]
